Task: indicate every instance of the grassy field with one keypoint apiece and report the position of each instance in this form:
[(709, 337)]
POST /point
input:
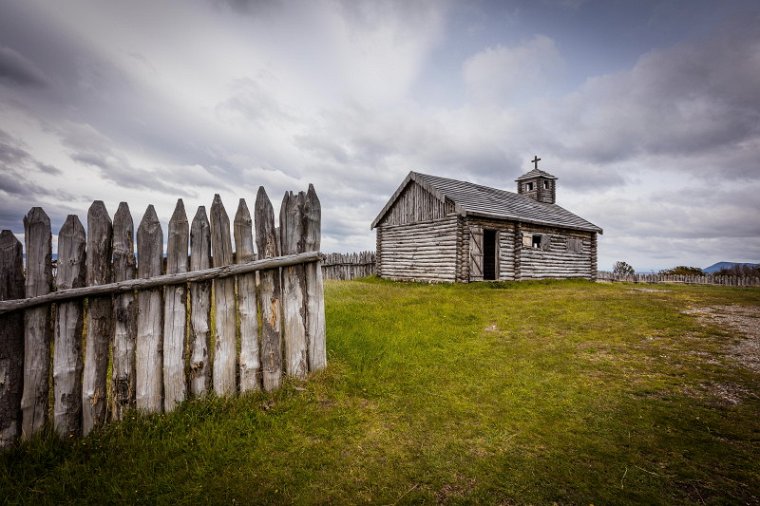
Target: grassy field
[(534, 392)]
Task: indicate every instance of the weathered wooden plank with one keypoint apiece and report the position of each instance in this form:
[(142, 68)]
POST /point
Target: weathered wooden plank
[(99, 322), (315, 302), (125, 314), (175, 312), (269, 294), (200, 304), (250, 363), (293, 287), (158, 281), (11, 339), (67, 357), (37, 328), (148, 352), (225, 360)]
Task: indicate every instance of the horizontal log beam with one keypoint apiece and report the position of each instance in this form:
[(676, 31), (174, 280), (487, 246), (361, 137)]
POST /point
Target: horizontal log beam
[(129, 285)]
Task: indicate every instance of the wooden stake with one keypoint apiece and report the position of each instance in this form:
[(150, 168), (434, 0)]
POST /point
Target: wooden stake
[(67, 359), (225, 363), (250, 365), (37, 329), (125, 313), (315, 302), (175, 314), (148, 353), (293, 287), (200, 305), (11, 339), (99, 244), (269, 294)]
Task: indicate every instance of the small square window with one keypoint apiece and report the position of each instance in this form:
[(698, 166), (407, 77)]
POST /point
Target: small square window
[(536, 241), (529, 186), (546, 185)]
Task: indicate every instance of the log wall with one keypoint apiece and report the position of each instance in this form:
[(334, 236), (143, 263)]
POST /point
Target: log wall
[(137, 322), (424, 251), (563, 253)]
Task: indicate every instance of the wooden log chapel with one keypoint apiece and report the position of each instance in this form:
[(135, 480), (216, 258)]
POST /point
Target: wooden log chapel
[(443, 230)]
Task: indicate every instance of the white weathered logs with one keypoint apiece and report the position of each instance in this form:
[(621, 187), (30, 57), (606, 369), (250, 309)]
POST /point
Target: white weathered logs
[(175, 312), (148, 358), (200, 305), (423, 251), (250, 364), (11, 339), (293, 287), (269, 294), (37, 328), (99, 244), (125, 314), (315, 301), (67, 357), (225, 360)]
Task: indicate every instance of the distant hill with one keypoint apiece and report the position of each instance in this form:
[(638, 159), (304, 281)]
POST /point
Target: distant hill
[(725, 265)]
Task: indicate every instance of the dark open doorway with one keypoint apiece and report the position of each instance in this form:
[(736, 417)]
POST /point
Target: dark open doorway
[(489, 254)]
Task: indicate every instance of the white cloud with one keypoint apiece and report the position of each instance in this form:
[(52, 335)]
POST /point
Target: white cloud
[(499, 74)]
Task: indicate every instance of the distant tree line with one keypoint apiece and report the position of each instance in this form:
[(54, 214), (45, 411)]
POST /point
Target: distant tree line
[(735, 271)]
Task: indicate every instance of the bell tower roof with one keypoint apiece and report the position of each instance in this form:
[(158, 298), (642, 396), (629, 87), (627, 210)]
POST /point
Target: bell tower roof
[(535, 173)]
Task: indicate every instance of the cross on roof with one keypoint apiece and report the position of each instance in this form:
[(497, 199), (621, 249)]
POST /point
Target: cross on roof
[(535, 161)]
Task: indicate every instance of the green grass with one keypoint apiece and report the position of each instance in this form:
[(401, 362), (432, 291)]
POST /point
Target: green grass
[(532, 392)]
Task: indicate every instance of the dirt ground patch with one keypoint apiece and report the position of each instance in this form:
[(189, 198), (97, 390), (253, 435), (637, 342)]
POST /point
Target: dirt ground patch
[(744, 321)]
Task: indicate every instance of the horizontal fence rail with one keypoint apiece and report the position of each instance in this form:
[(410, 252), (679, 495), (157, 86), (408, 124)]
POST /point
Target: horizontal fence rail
[(114, 302), (345, 266), (706, 279)]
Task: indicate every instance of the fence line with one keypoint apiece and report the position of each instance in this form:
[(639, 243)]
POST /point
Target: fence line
[(706, 279), (267, 321), (345, 266)]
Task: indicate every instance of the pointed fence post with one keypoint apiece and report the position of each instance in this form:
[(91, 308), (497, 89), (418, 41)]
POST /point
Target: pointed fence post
[(225, 363), (37, 328), (269, 294), (148, 358), (175, 297), (200, 305), (99, 244), (250, 365), (293, 287), (315, 300), (11, 338), (67, 358), (125, 314)]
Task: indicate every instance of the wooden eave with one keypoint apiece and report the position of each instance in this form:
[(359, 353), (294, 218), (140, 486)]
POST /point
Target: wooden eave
[(518, 219)]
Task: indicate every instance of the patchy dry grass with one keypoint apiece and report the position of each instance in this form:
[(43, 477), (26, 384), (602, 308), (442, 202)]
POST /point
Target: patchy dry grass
[(504, 393)]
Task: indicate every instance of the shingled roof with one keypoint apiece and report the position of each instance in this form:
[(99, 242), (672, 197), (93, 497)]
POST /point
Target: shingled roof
[(535, 173), (472, 199)]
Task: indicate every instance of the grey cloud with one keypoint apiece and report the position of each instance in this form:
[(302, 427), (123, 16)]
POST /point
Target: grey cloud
[(90, 148), (684, 101), (17, 167), (17, 70)]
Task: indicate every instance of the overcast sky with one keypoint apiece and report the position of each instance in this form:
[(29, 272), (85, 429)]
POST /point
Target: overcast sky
[(648, 112)]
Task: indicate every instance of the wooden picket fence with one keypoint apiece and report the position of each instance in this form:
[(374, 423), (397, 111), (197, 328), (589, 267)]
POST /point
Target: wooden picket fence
[(707, 279), (346, 266), (154, 317)]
